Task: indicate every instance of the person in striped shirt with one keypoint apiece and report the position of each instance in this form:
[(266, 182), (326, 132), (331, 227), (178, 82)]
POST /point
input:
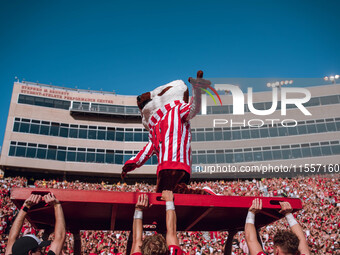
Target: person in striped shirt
[(166, 113)]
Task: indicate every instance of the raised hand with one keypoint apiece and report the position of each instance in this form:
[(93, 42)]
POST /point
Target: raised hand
[(143, 202), (127, 168), (199, 82), (285, 208), (256, 206), (167, 195), (32, 200), (51, 199)]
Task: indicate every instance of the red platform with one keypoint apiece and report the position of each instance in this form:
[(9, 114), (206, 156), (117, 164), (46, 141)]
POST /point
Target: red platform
[(106, 210)]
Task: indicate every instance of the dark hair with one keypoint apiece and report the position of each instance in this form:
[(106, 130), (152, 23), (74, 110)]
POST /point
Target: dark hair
[(287, 241), (154, 245)]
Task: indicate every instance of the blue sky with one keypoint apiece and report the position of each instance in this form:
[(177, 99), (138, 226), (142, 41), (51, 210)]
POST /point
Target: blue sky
[(134, 46)]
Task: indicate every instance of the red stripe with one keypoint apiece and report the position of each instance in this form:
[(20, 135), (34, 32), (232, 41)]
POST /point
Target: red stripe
[(189, 154), (154, 120), (179, 134), (160, 113), (171, 135), (167, 107), (185, 145), (166, 127), (186, 108)]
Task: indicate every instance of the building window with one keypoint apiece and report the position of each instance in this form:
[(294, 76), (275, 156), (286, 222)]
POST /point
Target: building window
[(92, 133), (302, 129), (200, 137), (61, 156), (316, 151), (119, 158), (273, 132), (71, 155), (90, 155), (101, 135), (82, 133), (255, 133), (100, 156), (110, 134), (11, 150), (73, 132), (245, 134), (306, 152), (248, 157), (109, 157), (44, 130), (51, 152), (120, 134), (81, 155), (54, 131), (64, 130)]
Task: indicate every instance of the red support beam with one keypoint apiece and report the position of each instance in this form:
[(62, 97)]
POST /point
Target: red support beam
[(105, 210)]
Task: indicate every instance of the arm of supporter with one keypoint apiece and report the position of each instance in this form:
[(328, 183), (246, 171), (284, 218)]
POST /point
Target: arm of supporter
[(250, 230), (60, 226), (139, 159), (17, 224), (137, 228), (171, 220), (286, 209)]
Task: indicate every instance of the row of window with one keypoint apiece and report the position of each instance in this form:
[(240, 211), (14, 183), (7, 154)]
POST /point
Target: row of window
[(44, 102), (79, 131), (243, 155), (90, 155), (105, 108), (198, 135), (276, 131), (133, 110), (82, 106), (72, 154)]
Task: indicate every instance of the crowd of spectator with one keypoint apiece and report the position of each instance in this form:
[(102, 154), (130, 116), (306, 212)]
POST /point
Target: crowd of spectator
[(320, 217)]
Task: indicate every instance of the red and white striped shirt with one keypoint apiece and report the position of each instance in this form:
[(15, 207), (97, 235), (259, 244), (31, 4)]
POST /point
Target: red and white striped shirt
[(169, 138)]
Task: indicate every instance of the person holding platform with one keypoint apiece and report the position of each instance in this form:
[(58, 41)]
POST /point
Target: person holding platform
[(285, 242), (30, 244), (155, 244)]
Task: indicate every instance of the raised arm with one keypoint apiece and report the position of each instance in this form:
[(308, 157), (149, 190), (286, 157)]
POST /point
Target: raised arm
[(196, 100), (137, 228), (17, 224), (286, 210), (254, 245), (138, 160), (171, 220), (60, 226)]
